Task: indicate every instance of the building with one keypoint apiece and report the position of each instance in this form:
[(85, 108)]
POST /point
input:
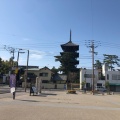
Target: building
[(114, 80), (46, 76), (86, 75), (113, 77), (45, 73), (29, 67), (59, 78)]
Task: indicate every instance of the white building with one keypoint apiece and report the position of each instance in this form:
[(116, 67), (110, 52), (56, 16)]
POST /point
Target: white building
[(86, 75), (113, 77)]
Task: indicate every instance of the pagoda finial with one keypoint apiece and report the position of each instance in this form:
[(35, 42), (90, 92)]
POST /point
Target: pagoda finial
[(70, 36)]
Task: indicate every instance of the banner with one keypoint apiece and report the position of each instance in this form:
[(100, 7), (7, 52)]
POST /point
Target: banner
[(12, 80)]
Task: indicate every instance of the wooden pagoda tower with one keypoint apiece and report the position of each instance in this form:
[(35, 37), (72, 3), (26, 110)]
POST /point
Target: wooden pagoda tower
[(71, 48)]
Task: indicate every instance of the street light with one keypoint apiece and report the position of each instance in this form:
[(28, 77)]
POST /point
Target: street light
[(18, 56), (18, 65), (26, 66), (27, 69)]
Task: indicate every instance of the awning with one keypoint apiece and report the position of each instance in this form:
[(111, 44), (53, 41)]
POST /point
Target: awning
[(117, 84)]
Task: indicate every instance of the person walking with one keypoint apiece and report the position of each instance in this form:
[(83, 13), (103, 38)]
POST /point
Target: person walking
[(13, 83)]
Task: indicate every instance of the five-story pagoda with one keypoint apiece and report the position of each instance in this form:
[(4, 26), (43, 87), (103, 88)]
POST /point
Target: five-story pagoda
[(68, 58)]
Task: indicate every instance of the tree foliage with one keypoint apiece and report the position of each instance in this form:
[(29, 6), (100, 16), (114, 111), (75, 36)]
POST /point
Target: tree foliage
[(55, 70), (107, 85), (111, 60), (83, 84), (5, 65), (98, 65), (67, 61)]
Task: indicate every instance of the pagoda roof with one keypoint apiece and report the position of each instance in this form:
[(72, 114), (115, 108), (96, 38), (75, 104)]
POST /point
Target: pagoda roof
[(70, 43)]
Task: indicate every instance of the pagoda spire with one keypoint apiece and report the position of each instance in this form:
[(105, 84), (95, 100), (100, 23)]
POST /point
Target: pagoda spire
[(70, 36)]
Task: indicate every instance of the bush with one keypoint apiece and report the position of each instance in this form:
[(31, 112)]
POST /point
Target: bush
[(72, 91)]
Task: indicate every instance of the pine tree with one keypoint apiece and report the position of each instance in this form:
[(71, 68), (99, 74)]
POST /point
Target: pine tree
[(111, 60)]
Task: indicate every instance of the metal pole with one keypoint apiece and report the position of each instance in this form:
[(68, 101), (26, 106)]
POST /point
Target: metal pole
[(85, 79), (85, 83), (93, 67), (18, 56), (26, 70), (17, 79), (17, 59), (13, 58)]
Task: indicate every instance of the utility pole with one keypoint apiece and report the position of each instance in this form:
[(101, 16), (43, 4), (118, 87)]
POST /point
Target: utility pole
[(91, 44), (11, 50), (85, 78), (17, 59)]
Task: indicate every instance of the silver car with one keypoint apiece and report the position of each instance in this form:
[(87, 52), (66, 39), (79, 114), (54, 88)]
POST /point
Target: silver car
[(100, 88)]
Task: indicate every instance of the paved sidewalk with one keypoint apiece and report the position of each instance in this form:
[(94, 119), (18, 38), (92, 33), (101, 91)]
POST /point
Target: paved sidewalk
[(57, 105)]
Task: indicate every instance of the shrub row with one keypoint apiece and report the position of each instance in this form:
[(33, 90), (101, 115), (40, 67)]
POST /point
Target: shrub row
[(72, 91)]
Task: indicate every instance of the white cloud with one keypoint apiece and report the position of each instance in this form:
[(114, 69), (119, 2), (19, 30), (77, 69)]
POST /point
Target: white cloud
[(36, 57), (26, 39), (35, 54)]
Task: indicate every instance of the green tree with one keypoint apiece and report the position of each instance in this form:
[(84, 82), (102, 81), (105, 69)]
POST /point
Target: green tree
[(83, 84), (111, 60), (98, 65), (77, 80), (55, 70), (107, 85), (4, 66), (68, 63)]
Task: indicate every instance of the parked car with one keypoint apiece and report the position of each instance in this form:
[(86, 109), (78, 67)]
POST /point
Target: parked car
[(100, 88)]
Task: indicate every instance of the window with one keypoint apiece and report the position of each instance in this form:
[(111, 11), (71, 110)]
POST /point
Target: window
[(107, 76), (45, 81), (115, 77), (43, 74), (99, 84), (88, 76)]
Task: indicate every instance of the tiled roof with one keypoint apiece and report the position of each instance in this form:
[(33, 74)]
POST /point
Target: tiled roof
[(70, 43), (60, 77)]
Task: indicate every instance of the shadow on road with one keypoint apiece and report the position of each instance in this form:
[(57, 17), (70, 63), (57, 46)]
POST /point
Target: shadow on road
[(43, 94), (48, 94), (28, 100)]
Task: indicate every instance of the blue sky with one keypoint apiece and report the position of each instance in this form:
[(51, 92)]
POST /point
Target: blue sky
[(42, 25)]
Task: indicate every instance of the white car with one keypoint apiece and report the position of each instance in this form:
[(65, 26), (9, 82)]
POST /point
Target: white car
[(100, 88)]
